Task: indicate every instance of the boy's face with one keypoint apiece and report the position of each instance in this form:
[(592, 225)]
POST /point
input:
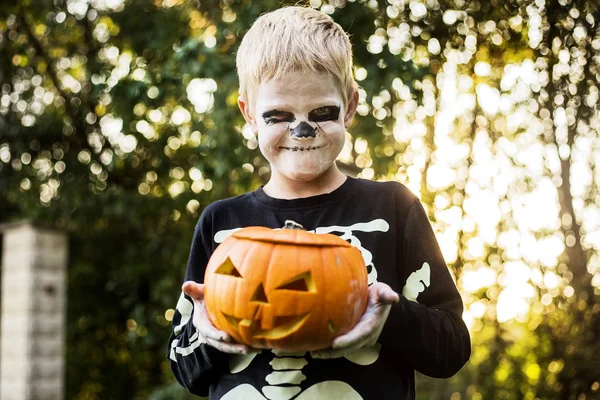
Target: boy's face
[(300, 121)]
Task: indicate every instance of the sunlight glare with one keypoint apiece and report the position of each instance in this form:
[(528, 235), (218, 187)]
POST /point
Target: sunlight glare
[(473, 280), (200, 93), (488, 98), (510, 305)]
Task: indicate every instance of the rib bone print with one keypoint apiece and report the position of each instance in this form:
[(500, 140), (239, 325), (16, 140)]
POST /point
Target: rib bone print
[(284, 380)]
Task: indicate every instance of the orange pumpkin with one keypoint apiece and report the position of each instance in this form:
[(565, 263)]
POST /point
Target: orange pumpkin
[(285, 289)]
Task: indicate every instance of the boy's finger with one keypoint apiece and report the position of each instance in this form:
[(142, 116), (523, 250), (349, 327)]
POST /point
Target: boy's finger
[(340, 352), (231, 348), (205, 325), (194, 290), (360, 332), (328, 354), (209, 331), (382, 293), (387, 295)]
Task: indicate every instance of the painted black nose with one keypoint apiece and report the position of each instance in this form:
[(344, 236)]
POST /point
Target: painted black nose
[(303, 130)]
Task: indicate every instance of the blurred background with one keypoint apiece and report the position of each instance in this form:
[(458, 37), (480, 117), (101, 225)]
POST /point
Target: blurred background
[(119, 124)]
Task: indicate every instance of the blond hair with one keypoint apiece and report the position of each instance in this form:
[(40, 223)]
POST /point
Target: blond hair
[(294, 39)]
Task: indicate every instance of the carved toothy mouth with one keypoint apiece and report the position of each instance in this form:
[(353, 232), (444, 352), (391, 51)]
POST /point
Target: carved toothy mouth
[(296, 148), (282, 326)]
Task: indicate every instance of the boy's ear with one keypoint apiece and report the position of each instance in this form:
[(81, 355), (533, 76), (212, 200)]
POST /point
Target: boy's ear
[(351, 110), (245, 109)]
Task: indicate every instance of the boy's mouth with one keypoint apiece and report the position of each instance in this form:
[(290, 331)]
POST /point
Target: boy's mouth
[(297, 148)]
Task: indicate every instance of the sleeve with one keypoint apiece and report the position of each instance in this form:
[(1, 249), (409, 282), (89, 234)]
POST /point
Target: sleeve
[(427, 323), (195, 364)]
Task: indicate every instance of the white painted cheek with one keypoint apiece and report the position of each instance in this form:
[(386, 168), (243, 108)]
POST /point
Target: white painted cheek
[(336, 137), (269, 139), (338, 124), (333, 130)]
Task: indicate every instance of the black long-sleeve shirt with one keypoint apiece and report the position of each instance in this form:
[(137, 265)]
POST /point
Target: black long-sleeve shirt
[(424, 331)]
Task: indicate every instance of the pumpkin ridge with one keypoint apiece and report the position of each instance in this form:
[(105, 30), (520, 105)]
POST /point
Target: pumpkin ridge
[(362, 276), (349, 271), (269, 266), (323, 305), (225, 247), (249, 251)]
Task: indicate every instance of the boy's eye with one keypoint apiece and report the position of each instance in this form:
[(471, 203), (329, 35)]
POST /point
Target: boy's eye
[(325, 113), (270, 121), (321, 111), (275, 116)]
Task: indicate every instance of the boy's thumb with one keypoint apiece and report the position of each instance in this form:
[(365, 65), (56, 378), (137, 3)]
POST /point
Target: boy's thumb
[(194, 290), (387, 295)]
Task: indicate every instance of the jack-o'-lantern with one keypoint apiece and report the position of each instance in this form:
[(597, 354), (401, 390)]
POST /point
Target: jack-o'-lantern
[(285, 289)]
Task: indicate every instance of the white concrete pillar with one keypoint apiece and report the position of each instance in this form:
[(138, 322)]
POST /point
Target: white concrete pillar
[(32, 342)]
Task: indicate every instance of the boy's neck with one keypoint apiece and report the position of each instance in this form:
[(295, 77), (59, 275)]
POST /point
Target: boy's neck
[(282, 187)]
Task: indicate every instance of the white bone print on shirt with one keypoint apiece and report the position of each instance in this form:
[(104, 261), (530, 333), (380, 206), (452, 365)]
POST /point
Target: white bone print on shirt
[(185, 307), (287, 370), (323, 390), (417, 282)]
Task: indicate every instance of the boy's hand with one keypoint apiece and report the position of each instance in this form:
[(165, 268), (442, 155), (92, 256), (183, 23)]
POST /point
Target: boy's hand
[(366, 332), (218, 339)]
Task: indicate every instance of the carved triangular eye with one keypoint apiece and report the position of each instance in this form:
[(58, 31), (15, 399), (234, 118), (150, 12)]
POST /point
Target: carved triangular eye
[(259, 295), (227, 268), (301, 283)]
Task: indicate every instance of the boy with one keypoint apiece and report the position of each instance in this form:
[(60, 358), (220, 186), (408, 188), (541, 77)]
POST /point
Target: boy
[(298, 95)]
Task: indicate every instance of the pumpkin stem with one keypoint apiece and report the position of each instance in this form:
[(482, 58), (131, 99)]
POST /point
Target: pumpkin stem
[(289, 224)]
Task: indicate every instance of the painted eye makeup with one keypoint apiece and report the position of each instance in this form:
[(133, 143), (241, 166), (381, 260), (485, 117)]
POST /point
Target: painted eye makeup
[(325, 113), (275, 116)]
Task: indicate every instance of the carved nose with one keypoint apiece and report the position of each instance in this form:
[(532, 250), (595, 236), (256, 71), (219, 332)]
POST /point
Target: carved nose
[(303, 130), (259, 295)]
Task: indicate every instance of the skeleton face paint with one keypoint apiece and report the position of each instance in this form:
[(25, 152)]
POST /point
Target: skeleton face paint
[(300, 124)]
